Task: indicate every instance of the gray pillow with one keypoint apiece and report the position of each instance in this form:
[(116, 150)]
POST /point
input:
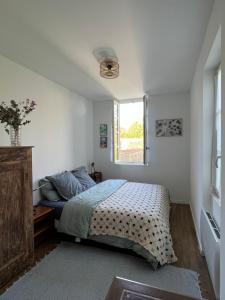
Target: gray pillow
[(66, 184), (48, 191), (85, 180)]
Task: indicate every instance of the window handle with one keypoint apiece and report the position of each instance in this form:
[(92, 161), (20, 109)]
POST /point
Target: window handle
[(216, 162)]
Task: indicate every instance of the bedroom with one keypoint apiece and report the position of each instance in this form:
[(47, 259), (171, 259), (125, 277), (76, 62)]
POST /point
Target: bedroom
[(166, 51)]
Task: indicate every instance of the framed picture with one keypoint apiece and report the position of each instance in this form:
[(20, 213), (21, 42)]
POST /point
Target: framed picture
[(103, 129), (103, 142), (169, 127)]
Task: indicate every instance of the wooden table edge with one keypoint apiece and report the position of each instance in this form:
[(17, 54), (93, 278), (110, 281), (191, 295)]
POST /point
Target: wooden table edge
[(119, 284)]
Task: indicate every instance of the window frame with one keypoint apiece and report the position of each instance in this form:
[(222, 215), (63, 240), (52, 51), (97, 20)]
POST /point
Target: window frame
[(215, 156), (145, 131)]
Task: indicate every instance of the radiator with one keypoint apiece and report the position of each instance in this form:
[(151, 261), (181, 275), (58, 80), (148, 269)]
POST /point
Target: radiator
[(211, 249)]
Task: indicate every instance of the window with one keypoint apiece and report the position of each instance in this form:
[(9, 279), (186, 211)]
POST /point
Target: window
[(130, 131), (216, 163)]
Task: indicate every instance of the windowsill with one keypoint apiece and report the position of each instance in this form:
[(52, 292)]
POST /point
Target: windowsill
[(129, 164)]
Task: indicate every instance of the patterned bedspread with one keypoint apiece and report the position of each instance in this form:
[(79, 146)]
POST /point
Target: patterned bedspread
[(138, 212)]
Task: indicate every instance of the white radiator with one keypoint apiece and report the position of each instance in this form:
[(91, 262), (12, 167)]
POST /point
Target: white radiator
[(211, 250)]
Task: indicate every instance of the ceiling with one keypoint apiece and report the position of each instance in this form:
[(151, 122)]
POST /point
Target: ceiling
[(157, 42)]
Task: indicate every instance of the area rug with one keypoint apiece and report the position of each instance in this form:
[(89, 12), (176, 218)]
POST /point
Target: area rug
[(81, 272)]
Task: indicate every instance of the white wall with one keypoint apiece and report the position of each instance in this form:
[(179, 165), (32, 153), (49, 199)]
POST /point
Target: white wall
[(197, 121), (169, 156), (60, 128), (197, 129), (222, 247)]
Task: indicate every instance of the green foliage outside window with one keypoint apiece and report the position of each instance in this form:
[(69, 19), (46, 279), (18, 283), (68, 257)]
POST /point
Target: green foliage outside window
[(136, 130)]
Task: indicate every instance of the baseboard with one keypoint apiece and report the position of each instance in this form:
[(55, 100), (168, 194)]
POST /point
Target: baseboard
[(196, 231)]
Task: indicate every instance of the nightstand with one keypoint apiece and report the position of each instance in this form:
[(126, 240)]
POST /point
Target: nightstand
[(43, 223), (96, 176)]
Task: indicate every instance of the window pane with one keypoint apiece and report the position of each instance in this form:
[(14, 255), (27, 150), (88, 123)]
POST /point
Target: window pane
[(218, 91), (218, 113), (217, 152), (115, 131), (218, 176), (130, 137), (218, 134)]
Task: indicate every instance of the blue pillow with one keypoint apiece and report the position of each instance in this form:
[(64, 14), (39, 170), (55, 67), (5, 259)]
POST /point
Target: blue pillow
[(48, 191), (83, 177), (66, 184)]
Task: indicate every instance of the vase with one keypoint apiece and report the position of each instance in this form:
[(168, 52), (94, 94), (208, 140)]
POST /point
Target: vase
[(15, 136)]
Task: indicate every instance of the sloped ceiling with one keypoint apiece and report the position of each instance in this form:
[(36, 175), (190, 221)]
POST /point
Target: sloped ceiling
[(157, 42)]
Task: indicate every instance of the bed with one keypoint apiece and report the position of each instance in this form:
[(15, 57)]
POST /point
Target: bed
[(122, 214)]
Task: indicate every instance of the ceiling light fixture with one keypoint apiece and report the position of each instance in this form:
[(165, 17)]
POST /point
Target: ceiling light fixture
[(109, 68)]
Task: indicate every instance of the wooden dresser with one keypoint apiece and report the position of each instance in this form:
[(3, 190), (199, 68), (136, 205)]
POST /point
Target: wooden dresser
[(16, 212)]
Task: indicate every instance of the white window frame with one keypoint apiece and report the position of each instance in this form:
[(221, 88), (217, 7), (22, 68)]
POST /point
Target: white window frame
[(216, 192), (216, 156), (146, 131)]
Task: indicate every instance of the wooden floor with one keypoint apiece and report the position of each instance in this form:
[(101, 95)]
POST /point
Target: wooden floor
[(185, 246)]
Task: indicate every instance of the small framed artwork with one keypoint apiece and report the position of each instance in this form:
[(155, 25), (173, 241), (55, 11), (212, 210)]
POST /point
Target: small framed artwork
[(103, 141), (169, 127), (103, 129)]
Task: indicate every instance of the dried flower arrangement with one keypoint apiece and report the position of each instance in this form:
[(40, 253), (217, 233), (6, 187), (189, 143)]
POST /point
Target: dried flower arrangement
[(15, 114)]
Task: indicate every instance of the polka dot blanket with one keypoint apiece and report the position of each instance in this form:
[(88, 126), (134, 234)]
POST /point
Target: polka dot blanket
[(138, 212)]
